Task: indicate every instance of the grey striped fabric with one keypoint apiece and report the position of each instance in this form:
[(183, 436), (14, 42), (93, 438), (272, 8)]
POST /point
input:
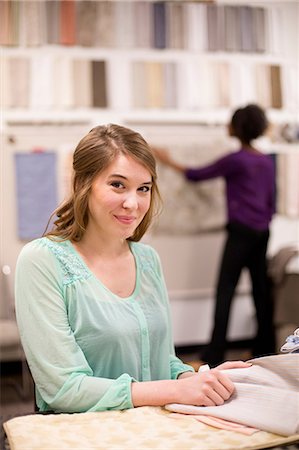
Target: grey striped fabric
[(266, 396)]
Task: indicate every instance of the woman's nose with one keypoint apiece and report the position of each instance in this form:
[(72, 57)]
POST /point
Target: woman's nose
[(130, 201)]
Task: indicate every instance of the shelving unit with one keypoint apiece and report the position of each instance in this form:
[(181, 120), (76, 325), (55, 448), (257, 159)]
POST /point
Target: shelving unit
[(142, 81)]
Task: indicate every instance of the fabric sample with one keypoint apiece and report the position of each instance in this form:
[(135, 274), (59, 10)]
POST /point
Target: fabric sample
[(82, 83), (159, 25), (266, 396), (36, 192), (105, 19), (99, 84), (86, 14), (275, 79), (67, 22)]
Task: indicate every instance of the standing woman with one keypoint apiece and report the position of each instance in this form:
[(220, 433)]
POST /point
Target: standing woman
[(250, 180), (91, 302)]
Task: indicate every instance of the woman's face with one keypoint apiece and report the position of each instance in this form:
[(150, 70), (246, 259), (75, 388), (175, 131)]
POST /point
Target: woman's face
[(120, 197)]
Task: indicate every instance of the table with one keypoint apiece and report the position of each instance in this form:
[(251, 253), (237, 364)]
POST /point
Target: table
[(143, 428)]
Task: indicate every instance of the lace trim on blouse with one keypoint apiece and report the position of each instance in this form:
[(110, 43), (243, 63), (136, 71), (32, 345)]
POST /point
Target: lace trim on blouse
[(73, 268)]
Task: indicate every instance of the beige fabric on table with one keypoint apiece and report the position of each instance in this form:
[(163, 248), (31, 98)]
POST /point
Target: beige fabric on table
[(145, 428), (266, 396)]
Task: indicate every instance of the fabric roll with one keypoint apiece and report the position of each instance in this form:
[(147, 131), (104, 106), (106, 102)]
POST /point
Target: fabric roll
[(15, 17), (86, 14), (170, 84), (223, 84), (154, 82), (139, 92), (175, 29), (41, 82), (63, 82), (99, 88), (105, 19), (212, 27), (143, 20), (32, 15), (246, 29), (195, 26), (232, 30), (281, 183), (5, 23), (19, 73), (276, 100), (159, 11), (5, 96), (263, 85), (259, 31), (124, 29), (67, 22), (52, 22), (82, 83), (266, 396), (36, 192)]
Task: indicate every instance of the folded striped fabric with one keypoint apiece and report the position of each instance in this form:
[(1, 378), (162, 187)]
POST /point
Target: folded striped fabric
[(266, 396)]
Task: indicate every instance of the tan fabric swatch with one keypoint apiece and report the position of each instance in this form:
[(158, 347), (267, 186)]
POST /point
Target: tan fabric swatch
[(19, 73), (86, 15), (32, 14), (139, 94), (276, 86), (175, 25), (143, 19), (154, 80), (52, 22), (105, 19), (82, 83), (263, 85)]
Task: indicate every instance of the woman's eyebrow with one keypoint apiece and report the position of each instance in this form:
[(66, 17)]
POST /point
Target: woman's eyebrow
[(118, 175)]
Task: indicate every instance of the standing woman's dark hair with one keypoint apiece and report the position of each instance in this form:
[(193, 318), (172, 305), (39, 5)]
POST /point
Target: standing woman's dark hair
[(248, 123), (92, 155)]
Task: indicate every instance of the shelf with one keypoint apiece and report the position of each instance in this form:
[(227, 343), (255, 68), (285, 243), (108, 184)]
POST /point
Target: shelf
[(153, 117)]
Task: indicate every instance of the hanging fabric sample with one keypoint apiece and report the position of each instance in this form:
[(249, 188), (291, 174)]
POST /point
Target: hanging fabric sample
[(36, 192)]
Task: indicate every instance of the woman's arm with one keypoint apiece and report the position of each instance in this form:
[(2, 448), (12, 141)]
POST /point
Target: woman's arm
[(164, 157), (201, 389), (63, 377)]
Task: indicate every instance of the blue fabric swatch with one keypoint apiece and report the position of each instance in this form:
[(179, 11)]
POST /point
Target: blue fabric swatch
[(36, 189)]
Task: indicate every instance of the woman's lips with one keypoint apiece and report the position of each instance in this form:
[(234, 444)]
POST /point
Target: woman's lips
[(128, 220)]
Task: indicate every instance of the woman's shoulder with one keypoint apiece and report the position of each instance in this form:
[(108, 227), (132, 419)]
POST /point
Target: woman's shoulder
[(42, 246), (48, 251), (146, 253)]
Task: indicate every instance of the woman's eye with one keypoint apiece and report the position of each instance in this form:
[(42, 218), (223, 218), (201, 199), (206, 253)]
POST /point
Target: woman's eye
[(117, 184), (144, 188)]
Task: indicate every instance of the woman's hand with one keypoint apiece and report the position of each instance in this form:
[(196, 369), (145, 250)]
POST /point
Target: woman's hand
[(162, 155), (234, 365), (210, 388)]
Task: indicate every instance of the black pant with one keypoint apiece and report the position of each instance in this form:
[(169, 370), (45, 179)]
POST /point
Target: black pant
[(244, 247)]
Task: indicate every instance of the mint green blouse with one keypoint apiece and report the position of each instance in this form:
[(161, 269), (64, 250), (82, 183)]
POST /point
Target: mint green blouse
[(84, 344)]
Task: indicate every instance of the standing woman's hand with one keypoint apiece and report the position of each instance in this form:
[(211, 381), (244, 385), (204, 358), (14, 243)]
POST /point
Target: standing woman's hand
[(162, 155)]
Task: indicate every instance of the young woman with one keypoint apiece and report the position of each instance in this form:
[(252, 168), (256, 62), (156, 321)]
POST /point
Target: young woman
[(250, 180), (91, 302)]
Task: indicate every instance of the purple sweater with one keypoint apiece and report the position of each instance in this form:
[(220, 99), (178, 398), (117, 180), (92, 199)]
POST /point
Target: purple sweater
[(250, 181)]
